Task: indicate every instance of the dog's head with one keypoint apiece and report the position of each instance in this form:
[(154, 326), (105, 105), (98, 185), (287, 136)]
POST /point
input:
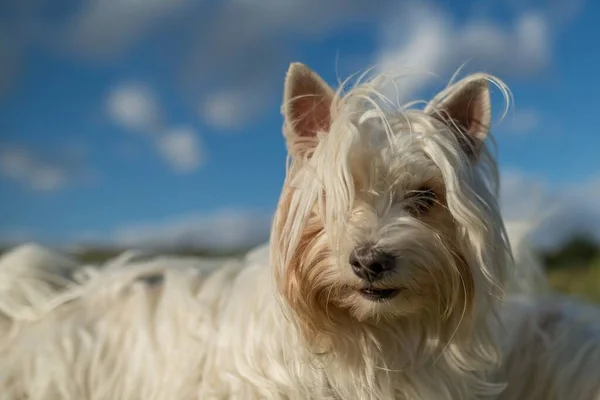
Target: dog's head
[(388, 213)]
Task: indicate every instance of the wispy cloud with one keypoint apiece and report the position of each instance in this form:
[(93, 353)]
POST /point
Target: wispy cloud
[(229, 109), (523, 121), (41, 171), (136, 107), (250, 55), (181, 149), (561, 210), (108, 28), (231, 67), (224, 230), (421, 39)]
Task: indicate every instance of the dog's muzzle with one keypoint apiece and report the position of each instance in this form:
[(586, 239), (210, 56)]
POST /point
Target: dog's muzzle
[(371, 264)]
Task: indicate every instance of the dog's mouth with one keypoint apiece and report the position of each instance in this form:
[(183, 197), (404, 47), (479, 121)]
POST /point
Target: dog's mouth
[(375, 294)]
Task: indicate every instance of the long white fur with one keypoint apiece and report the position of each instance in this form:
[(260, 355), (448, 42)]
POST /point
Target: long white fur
[(174, 328), (156, 336), (30, 278), (551, 348), (413, 357), (528, 275), (163, 334)]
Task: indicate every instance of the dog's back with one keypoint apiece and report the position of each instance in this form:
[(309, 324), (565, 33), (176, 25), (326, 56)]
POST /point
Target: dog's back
[(132, 329), (143, 328), (552, 349), (528, 273), (30, 277), (551, 342)]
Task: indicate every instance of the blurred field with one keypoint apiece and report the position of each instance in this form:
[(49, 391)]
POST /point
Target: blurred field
[(581, 282), (575, 269)]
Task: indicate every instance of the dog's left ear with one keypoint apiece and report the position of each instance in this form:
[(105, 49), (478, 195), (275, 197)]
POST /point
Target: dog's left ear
[(307, 103), (465, 106)]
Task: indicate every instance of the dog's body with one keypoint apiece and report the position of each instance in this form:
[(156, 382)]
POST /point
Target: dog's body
[(217, 333), (384, 279)]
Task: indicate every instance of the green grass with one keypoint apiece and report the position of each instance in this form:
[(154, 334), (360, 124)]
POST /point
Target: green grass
[(574, 269), (582, 281)]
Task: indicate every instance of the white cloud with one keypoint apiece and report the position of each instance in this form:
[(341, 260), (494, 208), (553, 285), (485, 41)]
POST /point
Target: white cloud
[(107, 28), (414, 42), (224, 56), (222, 230), (230, 109), (523, 121), (182, 149), (36, 171), (421, 38), (561, 210), (134, 106), (249, 55), (418, 38), (226, 229), (222, 109)]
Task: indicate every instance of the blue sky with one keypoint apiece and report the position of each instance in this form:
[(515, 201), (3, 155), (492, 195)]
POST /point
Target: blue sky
[(134, 121)]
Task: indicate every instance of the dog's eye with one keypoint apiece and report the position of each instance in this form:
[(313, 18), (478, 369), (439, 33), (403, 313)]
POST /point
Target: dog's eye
[(421, 200)]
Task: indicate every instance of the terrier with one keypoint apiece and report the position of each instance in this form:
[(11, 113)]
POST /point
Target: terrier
[(385, 277)]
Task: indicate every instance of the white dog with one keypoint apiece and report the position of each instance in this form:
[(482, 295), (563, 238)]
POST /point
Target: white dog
[(385, 278)]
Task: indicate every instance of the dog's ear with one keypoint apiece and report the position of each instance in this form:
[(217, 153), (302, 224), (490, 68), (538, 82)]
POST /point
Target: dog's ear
[(466, 108), (307, 103)]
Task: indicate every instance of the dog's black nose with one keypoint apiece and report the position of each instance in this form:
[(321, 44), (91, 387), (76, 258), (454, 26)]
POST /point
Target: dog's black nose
[(371, 264)]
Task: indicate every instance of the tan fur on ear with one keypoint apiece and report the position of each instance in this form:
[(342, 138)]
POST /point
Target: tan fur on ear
[(466, 107), (307, 101)]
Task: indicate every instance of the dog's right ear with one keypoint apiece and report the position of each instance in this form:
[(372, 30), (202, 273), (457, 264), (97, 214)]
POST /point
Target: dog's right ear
[(307, 101), (466, 105)]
